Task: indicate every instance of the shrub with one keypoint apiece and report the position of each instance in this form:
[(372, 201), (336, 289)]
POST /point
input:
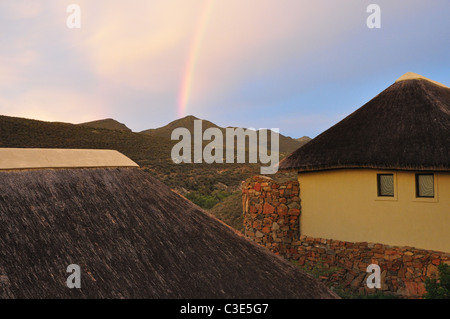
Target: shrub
[(439, 288), (204, 201)]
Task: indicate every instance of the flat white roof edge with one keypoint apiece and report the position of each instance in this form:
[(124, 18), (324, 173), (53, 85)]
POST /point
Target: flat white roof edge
[(37, 158)]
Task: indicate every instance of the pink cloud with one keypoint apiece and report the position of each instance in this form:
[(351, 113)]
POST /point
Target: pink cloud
[(54, 105)]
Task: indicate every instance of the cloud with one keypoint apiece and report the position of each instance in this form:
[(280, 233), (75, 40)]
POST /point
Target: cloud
[(146, 45), (14, 68), (54, 105), (140, 45), (24, 10)]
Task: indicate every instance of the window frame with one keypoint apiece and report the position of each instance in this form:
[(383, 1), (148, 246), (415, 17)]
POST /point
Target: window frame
[(379, 195), (376, 187), (416, 180)]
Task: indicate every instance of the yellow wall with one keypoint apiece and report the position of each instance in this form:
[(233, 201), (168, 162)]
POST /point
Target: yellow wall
[(343, 205)]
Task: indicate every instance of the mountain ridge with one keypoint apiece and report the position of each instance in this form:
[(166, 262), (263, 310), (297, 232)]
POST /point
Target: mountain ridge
[(286, 144), (108, 123)]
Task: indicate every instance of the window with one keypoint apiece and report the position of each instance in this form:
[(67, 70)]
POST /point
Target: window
[(425, 185), (385, 185)]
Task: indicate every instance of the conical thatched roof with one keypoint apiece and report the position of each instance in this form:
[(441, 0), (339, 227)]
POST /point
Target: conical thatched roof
[(406, 127), (132, 237)]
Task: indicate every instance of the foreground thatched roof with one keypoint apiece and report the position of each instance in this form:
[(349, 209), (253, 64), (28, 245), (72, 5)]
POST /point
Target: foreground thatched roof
[(133, 238), (405, 127)]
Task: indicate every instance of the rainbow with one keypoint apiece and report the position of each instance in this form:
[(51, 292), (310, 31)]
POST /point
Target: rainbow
[(189, 71)]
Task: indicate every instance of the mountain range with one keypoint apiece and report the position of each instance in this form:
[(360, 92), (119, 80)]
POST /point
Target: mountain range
[(286, 143)]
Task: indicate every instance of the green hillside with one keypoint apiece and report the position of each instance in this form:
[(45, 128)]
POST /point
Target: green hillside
[(229, 210), (286, 144), (21, 133), (186, 122), (303, 140), (108, 124)]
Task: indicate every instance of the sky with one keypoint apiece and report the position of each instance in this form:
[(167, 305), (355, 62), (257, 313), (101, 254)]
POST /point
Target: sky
[(297, 65)]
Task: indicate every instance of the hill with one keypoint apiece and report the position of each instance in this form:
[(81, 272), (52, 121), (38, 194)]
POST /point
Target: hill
[(109, 124), (25, 133), (186, 122), (229, 210), (287, 144), (303, 140)]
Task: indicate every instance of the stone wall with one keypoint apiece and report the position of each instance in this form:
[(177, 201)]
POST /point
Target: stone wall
[(271, 212), (272, 219), (343, 264)]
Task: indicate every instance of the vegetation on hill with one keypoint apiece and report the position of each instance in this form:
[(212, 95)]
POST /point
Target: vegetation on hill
[(109, 124), (24, 133), (303, 140), (286, 144), (186, 122), (229, 210), (207, 201)]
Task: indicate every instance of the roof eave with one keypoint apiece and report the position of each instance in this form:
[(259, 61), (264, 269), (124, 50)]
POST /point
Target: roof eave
[(318, 168)]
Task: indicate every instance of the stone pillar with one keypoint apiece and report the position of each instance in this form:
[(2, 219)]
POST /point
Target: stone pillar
[(272, 213)]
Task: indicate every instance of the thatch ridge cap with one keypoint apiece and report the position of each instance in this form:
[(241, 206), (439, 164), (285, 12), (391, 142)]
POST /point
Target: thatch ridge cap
[(43, 158), (414, 76)]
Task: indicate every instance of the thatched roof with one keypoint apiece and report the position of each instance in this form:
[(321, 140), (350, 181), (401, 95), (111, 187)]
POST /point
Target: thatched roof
[(132, 237), (406, 127), (35, 158)]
